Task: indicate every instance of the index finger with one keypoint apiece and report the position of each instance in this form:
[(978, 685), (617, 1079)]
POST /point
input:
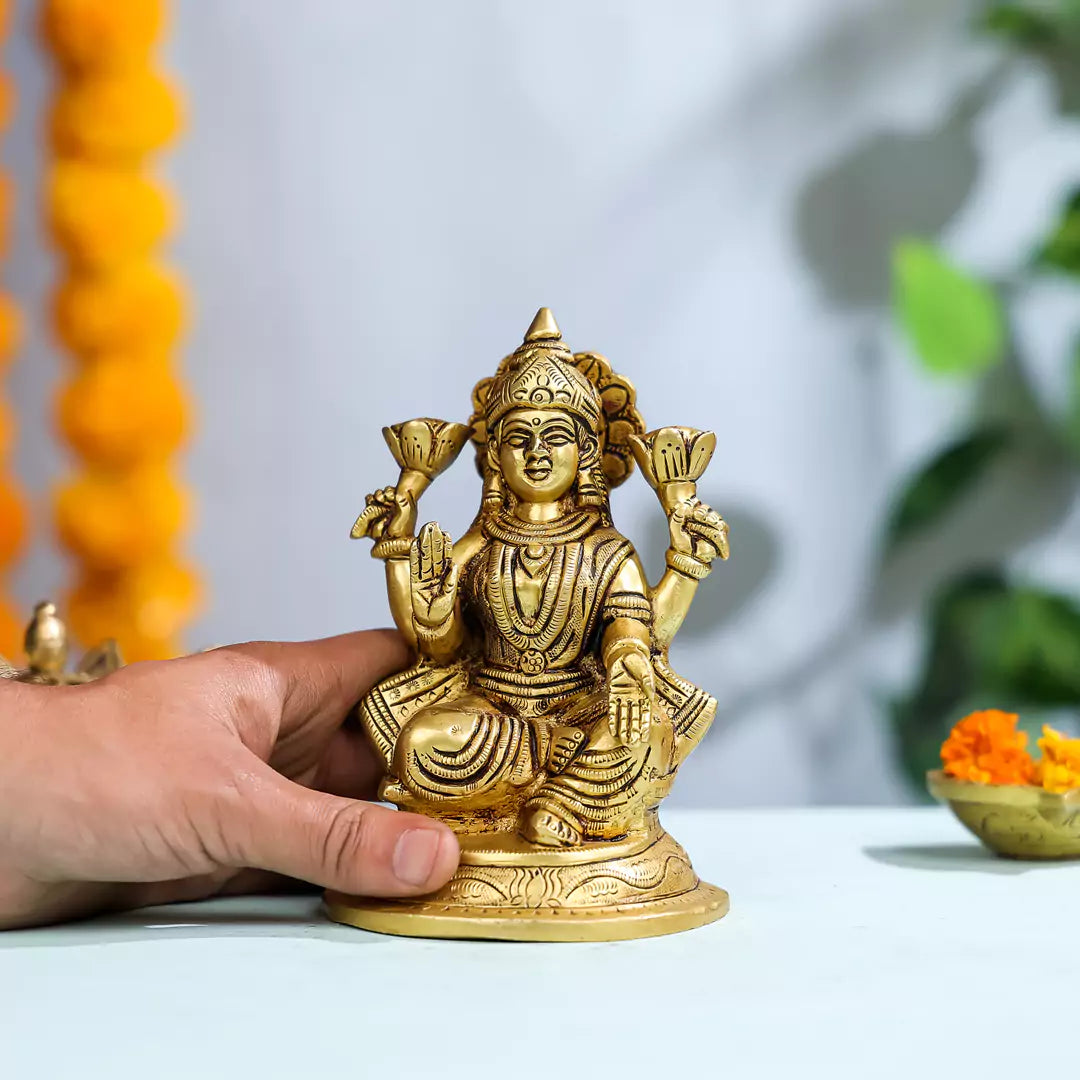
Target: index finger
[(301, 680)]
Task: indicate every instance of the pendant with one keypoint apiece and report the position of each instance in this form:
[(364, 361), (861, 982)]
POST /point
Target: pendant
[(532, 662)]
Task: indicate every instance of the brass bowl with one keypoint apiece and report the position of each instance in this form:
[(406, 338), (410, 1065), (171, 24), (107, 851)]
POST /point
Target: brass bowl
[(1017, 821)]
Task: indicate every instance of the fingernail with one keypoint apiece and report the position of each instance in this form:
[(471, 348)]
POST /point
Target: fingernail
[(415, 854)]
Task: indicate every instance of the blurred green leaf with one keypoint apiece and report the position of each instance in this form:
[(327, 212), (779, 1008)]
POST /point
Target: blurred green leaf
[(1020, 24), (991, 645), (1062, 250), (1072, 416), (953, 320), (940, 484)]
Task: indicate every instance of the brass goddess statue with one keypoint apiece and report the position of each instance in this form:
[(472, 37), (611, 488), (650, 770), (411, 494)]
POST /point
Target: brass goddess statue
[(541, 719)]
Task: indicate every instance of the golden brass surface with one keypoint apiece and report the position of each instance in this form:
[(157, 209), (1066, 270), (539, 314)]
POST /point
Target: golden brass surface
[(46, 645), (541, 718), (1018, 821), (702, 905)]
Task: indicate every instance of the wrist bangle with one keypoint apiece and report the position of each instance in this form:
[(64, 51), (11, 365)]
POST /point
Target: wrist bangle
[(623, 647), (687, 565), (394, 547), (429, 633)]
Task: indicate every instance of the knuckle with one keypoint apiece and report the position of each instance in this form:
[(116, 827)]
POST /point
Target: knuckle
[(349, 840), (249, 670)]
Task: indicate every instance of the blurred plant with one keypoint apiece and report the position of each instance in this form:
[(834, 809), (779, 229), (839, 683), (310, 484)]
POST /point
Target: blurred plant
[(993, 640)]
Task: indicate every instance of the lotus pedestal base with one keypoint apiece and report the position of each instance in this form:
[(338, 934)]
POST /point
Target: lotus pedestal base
[(508, 889)]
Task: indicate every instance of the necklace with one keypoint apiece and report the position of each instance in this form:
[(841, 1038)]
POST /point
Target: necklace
[(504, 526), (554, 607)]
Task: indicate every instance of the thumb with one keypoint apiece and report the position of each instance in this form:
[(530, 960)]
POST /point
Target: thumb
[(452, 579), (343, 844)]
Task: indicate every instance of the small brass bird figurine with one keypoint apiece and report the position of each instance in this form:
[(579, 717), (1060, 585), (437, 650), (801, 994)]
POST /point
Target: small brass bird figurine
[(46, 646)]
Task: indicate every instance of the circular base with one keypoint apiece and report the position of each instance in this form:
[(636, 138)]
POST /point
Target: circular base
[(702, 904)]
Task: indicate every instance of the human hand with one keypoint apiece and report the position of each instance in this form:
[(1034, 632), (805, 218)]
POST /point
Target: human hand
[(698, 530), (216, 773), (433, 575), (631, 692)]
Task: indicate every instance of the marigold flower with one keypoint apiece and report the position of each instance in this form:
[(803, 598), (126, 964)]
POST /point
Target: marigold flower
[(8, 98), (7, 429), (1059, 768), (120, 410), (143, 609), (10, 329), (7, 203), (102, 33), (123, 411), (118, 117), (986, 748), (139, 308), (116, 521), (101, 216), (12, 522), (12, 628)]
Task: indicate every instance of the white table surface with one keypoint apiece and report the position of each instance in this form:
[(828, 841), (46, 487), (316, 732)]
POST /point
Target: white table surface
[(870, 943)]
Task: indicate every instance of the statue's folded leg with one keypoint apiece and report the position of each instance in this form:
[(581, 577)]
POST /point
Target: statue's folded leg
[(464, 749), (604, 792)]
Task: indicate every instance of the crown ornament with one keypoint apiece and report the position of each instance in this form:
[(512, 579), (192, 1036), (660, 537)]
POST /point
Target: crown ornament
[(544, 373)]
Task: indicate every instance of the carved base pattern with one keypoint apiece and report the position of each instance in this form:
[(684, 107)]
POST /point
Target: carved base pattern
[(642, 894), (1021, 833)]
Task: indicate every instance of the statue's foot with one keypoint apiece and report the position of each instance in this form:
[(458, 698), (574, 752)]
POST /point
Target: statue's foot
[(550, 827), (392, 791)]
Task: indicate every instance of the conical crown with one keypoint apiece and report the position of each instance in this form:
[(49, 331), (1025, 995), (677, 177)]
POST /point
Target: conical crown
[(541, 374)]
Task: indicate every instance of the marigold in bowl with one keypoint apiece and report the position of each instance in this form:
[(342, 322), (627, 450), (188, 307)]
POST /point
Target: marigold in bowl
[(1059, 768), (986, 748)]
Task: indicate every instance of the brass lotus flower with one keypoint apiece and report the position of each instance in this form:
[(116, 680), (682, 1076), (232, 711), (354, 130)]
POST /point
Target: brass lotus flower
[(426, 446), (673, 455)]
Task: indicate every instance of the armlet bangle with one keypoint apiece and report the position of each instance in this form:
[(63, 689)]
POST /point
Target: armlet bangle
[(394, 547), (687, 565)]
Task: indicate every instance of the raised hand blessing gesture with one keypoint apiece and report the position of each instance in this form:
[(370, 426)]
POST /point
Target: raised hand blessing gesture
[(433, 577)]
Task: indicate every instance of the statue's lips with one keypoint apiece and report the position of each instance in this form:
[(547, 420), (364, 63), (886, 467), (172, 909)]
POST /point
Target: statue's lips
[(537, 473)]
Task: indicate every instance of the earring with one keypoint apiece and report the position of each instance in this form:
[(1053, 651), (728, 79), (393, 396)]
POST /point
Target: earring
[(494, 492), (591, 488)]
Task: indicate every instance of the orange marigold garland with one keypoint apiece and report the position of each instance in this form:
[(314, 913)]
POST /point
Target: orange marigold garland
[(13, 514), (119, 313)]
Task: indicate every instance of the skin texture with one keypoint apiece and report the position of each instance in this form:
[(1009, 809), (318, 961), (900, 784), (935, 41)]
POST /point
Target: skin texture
[(225, 772)]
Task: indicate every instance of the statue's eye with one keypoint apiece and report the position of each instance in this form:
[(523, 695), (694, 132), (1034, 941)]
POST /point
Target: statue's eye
[(518, 440), (558, 438)]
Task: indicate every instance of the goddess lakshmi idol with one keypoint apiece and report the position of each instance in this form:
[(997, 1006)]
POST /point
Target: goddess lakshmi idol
[(541, 719)]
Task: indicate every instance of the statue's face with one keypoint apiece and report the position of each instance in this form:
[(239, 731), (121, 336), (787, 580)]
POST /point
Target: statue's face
[(538, 453)]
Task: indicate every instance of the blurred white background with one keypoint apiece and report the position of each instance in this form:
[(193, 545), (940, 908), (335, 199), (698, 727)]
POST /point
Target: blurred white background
[(376, 199)]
